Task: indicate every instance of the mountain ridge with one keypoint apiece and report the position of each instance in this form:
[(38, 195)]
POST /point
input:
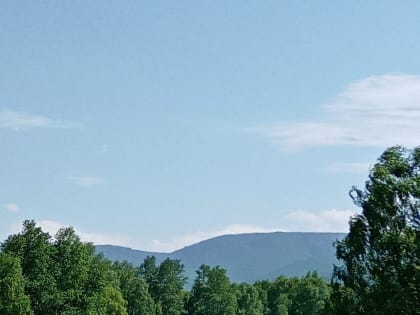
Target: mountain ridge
[(248, 257)]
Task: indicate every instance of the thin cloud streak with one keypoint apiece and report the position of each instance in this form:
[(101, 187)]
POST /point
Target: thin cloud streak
[(15, 120), (86, 181), (11, 207), (331, 220), (377, 111)]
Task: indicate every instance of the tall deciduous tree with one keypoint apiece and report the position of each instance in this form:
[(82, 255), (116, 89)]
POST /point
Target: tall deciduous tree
[(33, 247), (307, 295), (73, 260), (310, 295), (166, 283), (380, 255), (212, 293), (149, 271), (13, 300), (171, 281), (134, 289), (109, 302), (63, 275), (249, 302)]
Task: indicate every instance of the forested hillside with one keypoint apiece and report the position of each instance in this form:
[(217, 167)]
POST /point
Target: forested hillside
[(379, 271), (62, 275), (249, 257)]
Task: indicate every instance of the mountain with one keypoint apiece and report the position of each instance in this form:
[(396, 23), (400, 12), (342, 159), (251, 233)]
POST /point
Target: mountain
[(248, 257)]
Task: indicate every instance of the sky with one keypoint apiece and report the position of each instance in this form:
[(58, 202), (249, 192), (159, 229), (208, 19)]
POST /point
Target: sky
[(157, 124)]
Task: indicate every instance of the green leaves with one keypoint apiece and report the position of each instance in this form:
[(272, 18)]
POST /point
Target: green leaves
[(381, 253), (305, 295), (61, 275), (166, 283), (34, 249), (13, 300), (134, 289), (212, 293), (380, 273), (109, 302), (73, 262), (249, 302)]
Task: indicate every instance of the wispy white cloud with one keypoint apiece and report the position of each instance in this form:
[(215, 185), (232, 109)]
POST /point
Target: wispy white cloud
[(332, 220), (86, 181), (297, 221), (22, 121), (52, 227), (11, 207), (377, 111)]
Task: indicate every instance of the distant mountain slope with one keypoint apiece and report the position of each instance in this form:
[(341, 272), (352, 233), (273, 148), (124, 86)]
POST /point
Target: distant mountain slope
[(120, 253), (249, 257)]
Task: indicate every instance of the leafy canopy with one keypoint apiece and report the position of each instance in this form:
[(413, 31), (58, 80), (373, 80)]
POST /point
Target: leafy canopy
[(380, 255)]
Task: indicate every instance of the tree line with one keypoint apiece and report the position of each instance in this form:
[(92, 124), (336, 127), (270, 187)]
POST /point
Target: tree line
[(379, 271), (63, 275)]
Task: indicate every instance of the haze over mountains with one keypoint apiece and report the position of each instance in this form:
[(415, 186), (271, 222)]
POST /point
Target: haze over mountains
[(248, 257)]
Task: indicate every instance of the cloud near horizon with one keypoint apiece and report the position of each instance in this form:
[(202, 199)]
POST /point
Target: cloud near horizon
[(16, 120), (332, 220), (52, 227), (377, 111), (176, 243), (297, 221)]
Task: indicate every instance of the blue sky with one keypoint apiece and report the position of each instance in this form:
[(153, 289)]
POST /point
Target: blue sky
[(156, 124)]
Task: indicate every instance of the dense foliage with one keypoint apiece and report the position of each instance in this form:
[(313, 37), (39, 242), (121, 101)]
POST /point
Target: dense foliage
[(381, 253), (212, 293), (380, 274), (13, 299), (42, 275)]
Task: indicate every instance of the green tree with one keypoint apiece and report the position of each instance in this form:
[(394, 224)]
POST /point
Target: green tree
[(171, 281), (13, 300), (134, 289), (280, 295), (109, 302), (34, 249), (106, 297), (310, 295), (248, 300), (263, 287), (149, 271), (62, 276), (380, 255), (212, 293), (342, 301), (166, 283), (99, 278), (73, 261), (307, 295)]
